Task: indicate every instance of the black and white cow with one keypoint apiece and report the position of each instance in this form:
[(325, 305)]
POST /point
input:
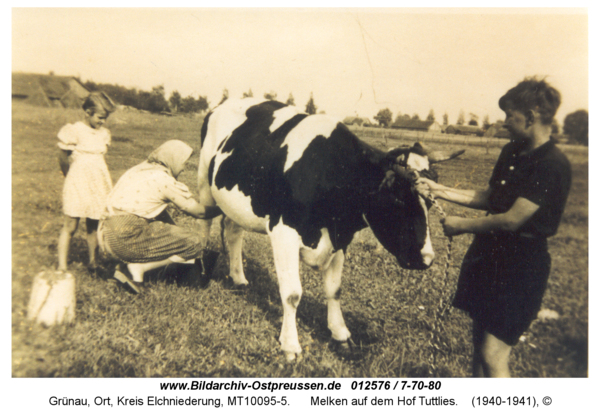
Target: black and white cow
[(310, 184)]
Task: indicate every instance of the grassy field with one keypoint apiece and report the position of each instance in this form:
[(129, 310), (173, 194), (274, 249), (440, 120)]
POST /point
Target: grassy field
[(178, 329)]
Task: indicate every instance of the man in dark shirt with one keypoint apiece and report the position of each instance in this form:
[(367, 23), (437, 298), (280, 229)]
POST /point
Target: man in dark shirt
[(505, 271)]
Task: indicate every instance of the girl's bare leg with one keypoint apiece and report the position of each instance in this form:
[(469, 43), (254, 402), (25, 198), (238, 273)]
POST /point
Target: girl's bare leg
[(92, 240), (64, 241)]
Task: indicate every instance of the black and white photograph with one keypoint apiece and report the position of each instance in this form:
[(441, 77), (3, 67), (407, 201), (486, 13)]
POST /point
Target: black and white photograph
[(296, 194)]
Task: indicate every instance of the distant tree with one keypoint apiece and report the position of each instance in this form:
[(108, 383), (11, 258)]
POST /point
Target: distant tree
[(191, 105), (473, 119), (461, 118), (445, 119), (415, 117), (225, 96), (576, 126), (290, 100), (175, 101), (311, 108), (271, 95), (188, 105), (202, 103), (431, 116), (321, 111), (248, 94), (154, 101), (384, 117), (486, 122)]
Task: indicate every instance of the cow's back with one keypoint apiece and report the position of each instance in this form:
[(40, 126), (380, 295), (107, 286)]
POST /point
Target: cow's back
[(265, 161)]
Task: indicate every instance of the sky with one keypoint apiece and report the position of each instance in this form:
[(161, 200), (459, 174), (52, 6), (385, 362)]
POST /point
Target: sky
[(354, 61)]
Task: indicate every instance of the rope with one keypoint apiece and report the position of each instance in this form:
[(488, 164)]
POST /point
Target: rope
[(448, 252), (444, 304)]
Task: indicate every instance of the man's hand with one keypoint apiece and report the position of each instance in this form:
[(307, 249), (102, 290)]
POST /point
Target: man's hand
[(452, 226)]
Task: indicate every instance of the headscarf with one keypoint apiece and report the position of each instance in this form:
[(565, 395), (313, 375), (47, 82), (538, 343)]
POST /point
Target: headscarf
[(172, 154)]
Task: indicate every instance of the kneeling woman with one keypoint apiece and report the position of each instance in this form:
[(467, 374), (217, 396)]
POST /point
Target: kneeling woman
[(138, 230)]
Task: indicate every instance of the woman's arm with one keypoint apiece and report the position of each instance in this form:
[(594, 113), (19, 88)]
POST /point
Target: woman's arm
[(63, 160), (512, 220), (468, 198), (203, 212)]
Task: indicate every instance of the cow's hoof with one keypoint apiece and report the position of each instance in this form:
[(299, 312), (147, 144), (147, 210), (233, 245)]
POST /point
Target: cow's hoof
[(238, 285), (344, 346), (292, 357)]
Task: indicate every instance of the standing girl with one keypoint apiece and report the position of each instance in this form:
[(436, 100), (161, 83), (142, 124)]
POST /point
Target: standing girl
[(87, 180)]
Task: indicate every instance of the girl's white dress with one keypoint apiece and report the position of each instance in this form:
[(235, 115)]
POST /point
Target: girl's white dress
[(88, 181)]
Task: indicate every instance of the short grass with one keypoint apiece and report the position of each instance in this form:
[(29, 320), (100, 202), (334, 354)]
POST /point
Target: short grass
[(178, 329)]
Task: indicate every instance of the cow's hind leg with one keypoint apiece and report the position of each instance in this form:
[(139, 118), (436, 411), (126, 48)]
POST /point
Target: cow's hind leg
[(234, 237), (332, 280), (286, 247)]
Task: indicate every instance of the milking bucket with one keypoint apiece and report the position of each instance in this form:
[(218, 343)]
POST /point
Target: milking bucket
[(52, 298)]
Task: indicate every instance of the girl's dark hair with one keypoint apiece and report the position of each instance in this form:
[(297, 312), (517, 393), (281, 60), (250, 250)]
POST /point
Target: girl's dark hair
[(532, 94), (99, 99)]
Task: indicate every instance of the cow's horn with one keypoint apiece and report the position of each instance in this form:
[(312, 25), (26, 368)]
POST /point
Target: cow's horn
[(440, 156), (437, 156)]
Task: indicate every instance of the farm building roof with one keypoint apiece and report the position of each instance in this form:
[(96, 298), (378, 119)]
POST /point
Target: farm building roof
[(48, 90), (413, 124), (462, 129), (495, 131), (359, 121)]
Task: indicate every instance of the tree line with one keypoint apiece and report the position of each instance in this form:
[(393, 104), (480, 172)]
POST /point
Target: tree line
[(155, 101), (310, 108), (575, 125)]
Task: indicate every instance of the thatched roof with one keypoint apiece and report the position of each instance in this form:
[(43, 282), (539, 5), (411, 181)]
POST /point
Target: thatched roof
[(48, 90)]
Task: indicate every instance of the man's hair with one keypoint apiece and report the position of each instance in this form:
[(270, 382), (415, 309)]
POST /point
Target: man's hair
[(98, 100), (532, 94)]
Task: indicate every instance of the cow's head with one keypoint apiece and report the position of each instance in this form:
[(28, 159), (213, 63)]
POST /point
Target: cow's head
[(399, 214)]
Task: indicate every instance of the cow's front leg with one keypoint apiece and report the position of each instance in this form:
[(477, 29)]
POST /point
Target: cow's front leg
[(286, 254), (234, 236), (332, 281)]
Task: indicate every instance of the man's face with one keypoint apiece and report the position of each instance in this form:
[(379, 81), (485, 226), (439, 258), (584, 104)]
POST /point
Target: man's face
[(516, 124)]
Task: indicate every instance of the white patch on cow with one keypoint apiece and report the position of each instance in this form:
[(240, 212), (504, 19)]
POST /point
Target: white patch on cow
[(320, 257), (427, 252), (417, 162), (303, 134), (282, 115), (238, 207)]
